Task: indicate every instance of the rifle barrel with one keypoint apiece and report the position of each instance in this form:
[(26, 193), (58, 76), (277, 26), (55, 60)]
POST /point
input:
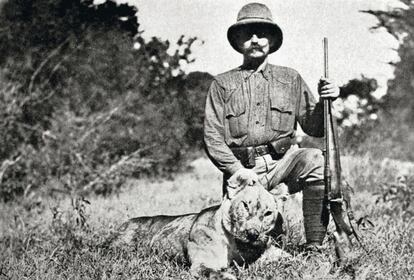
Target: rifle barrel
[(327, 118), (325, 57)]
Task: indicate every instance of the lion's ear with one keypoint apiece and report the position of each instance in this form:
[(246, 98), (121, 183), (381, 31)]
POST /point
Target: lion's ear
[(239, 180)]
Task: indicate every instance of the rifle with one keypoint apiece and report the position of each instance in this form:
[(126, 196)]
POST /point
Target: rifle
[(335, 201)]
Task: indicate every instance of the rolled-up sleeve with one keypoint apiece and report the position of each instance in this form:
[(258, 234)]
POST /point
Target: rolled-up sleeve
[(214, 132), (310, 112)]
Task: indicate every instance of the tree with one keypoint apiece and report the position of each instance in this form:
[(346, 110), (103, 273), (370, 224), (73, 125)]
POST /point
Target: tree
[(392, 134), (82, 91), (399, 22), (57, 53)]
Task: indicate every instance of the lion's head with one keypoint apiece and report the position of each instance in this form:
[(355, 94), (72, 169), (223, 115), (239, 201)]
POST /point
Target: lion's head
[(250, 211)]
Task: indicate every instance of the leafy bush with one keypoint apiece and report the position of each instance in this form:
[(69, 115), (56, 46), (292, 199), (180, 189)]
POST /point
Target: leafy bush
[(86, 101), (399, 22), (396, 198), (391, 135)]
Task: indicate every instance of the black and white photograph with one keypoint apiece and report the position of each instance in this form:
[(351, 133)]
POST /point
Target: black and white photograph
[(206, 139)]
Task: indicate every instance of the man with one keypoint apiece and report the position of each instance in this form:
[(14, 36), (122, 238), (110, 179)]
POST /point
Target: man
[(252, 113)]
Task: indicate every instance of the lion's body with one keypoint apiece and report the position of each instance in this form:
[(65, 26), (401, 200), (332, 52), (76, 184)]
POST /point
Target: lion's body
[(166, 232), (237, 230)]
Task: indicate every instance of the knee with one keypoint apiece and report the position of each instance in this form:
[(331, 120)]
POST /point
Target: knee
[(314, 157)]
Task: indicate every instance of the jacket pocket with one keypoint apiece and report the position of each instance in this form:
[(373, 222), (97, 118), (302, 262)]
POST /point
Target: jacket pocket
[(282, 108), (236, 116)]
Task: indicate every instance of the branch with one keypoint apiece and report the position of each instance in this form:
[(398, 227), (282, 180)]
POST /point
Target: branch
[(103, 119), (50, 95), (44, 62), (114, 167), (388, 20), (6, 164)]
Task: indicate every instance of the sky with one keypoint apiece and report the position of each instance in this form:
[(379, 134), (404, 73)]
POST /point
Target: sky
[(353, 48)]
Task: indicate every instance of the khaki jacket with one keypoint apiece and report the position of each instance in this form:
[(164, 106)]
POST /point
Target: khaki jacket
[(245, 109)]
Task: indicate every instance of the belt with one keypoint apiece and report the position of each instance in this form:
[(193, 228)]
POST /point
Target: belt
[(247, 155), (251, 151), (261, 150), (275, 148)]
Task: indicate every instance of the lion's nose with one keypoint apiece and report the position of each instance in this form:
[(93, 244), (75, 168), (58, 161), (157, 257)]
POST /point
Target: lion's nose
[(252, 234)]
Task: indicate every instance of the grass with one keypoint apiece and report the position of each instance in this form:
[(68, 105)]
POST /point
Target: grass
[(61, 239)]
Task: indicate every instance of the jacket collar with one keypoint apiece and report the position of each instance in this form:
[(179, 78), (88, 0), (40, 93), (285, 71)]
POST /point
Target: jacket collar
[(264, 69)]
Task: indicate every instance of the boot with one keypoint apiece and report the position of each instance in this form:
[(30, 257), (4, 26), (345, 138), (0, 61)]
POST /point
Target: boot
[(315, 213)]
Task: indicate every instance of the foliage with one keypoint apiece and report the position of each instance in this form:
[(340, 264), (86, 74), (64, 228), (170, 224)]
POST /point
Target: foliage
[(399, 198), (358, 103), (355, 110), (390, 134), (399, 22), (58, 243), (82, 92), (384, 138), (197, 84)]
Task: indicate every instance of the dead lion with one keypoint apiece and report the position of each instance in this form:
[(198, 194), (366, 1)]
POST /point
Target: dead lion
[(237, 230)]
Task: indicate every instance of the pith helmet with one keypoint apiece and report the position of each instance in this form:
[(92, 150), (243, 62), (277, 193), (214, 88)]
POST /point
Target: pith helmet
[(256, 15)]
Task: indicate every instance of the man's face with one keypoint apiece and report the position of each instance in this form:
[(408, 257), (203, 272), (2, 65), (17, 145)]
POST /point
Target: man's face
[(254, 43)]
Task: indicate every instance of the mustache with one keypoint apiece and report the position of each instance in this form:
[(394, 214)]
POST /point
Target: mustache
[(256, 48)]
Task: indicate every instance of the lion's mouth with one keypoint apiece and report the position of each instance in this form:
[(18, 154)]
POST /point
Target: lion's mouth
[(247, 240)]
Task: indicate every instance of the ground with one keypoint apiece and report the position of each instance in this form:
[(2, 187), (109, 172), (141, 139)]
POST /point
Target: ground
[(64, 239)]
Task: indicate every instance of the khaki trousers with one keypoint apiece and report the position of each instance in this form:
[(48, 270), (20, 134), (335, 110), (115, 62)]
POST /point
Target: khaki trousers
[(298, 167), (301, 169)]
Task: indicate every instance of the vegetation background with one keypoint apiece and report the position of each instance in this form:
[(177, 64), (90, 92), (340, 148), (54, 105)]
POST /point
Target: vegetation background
[(98, 125)]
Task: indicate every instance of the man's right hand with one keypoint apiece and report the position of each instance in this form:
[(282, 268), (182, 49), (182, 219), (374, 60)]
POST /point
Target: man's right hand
[(243, 177)]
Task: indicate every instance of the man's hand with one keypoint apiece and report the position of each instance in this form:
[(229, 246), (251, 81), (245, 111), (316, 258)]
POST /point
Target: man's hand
[(243, 177), (328, 89)]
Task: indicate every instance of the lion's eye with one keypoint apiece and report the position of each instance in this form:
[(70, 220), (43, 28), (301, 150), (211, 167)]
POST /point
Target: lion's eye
[(246, 206), (268, 213)]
